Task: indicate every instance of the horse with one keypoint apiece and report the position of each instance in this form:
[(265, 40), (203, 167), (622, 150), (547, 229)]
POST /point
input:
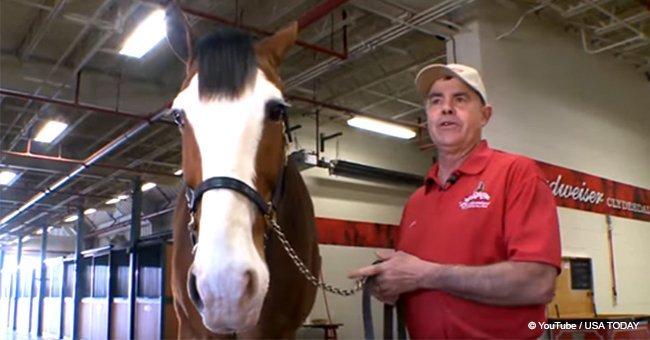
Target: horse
[(230, 276)]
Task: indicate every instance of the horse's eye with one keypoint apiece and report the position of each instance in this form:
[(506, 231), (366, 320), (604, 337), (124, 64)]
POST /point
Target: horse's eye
[(276, 110)]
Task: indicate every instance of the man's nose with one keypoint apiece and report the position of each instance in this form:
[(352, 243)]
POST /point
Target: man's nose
[(447, 107)]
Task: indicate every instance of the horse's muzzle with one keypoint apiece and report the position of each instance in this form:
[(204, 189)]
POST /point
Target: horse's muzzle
[(193, 291)]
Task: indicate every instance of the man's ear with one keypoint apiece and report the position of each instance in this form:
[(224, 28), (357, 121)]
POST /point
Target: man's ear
[(486, 114)]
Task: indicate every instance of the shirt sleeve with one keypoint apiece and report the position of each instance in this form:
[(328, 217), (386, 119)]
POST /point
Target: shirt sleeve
[(531, 221)]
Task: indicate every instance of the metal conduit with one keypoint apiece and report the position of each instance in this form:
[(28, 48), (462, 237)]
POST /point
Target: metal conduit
[(87, 162), (377, 40)]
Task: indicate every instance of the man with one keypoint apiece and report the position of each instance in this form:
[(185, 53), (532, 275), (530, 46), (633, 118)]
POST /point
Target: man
[(478, 247)]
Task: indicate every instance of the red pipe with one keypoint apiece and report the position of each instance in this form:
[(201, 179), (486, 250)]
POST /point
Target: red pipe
[(225, 21), (318, 12), (21, 95), (80, 162)]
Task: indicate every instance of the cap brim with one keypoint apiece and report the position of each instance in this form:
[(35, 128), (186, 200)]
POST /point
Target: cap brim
[(428, 75)]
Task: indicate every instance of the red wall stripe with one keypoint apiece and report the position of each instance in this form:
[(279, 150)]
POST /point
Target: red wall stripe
[(356, 234)]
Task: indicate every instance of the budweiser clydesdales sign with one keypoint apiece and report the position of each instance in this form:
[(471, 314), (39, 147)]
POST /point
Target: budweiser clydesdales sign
[(577, 190)]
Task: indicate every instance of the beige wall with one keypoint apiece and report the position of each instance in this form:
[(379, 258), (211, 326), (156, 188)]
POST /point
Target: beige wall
[(556, 103)]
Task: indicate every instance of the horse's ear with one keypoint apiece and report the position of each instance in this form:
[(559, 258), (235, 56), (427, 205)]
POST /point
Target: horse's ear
[(277, 45), (179, 35)]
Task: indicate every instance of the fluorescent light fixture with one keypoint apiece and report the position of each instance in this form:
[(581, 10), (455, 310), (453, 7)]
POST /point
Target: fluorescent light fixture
[(113, 200), (178, 172), (50, 131), (122, 197), (150, 31), (90, 211), (382, 127), (148, 186), (7, 177), (70, 218)]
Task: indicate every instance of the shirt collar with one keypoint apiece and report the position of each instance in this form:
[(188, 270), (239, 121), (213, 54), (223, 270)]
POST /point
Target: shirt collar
[(473, 165)]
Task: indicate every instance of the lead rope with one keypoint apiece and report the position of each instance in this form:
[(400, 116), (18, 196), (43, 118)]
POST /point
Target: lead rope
[(270, 220)]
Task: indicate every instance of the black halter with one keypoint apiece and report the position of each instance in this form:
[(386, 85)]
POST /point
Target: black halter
[(193, 196)]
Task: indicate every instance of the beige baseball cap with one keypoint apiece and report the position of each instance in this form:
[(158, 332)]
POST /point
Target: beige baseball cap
[(430, 73)]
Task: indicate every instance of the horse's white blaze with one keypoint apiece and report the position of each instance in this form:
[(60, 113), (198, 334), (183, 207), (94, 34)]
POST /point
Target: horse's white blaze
[(227, 133)]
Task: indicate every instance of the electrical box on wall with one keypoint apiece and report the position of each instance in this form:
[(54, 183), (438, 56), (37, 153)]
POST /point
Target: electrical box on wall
[(574, 296)]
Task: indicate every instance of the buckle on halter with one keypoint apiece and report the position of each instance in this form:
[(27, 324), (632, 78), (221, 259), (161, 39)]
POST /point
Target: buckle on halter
[(189, 197), (270, 214)]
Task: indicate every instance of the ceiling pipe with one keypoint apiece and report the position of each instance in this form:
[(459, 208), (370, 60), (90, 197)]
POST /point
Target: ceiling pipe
[(64, 193), (34, 39), (353, 111), (65, 103), (71, 17), (100, 11), (378, 39), (124, 225), (323, 9), (318, 12), (86, 163), (29, 155)]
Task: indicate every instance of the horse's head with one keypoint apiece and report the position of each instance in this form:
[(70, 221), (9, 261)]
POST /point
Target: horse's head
[(233, 120)]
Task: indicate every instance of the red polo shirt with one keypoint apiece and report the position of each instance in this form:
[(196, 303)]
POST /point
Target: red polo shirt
[(500, 208)]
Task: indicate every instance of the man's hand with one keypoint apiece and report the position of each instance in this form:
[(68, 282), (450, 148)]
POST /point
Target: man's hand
[(398, 273)]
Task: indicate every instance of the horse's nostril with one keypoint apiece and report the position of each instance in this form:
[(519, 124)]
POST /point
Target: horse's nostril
[(250, 282), (193, 292)]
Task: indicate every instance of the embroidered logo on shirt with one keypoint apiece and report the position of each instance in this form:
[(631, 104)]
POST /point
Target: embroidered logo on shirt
[(478, 199), (412, 224)]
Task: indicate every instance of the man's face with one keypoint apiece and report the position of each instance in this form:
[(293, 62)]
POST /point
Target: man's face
[(455, 114)]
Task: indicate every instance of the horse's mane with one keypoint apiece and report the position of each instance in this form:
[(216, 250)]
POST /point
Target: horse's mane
[(296, 216), (226, 63)]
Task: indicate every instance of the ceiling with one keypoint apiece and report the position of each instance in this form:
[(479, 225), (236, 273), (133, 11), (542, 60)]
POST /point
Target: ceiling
[(60, 61)]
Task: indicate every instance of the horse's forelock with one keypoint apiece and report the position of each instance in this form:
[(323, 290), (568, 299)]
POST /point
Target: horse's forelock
[(226, 64)]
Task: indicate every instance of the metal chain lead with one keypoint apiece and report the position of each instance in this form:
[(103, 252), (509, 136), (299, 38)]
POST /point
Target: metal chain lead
[(305, 271)]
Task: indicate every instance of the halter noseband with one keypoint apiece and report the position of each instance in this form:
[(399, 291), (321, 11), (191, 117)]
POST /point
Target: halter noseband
[(193, 196)]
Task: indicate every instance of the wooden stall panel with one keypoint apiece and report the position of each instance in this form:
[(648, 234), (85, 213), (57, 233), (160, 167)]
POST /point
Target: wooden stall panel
[(51, 316), (22, 322), (99, 328), (4, 312), (34, 320), (147, 319), (120, 319), (68, 316), (85, 324)]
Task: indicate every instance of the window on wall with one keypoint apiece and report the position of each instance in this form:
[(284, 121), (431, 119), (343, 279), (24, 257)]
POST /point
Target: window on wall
[(100, 276), (53, 275), (120, 274), (68, 290), (25, 288), (149, 272), (86, 284)]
